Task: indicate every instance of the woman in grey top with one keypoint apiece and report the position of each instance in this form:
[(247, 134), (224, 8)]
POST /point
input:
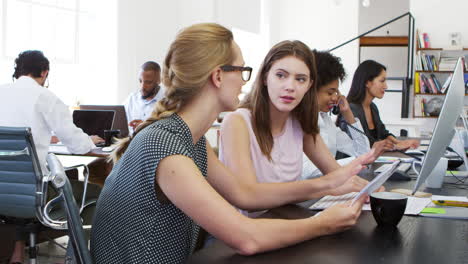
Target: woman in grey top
[(370, 82)]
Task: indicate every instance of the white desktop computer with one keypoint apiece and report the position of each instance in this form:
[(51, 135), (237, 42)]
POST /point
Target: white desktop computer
[(445, 127)]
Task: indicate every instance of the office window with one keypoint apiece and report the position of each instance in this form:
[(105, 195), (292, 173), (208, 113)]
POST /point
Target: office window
[(47, 25), (77, 36)]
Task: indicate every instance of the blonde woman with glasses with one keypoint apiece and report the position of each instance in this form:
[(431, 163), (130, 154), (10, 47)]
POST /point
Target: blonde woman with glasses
[(167, 181)]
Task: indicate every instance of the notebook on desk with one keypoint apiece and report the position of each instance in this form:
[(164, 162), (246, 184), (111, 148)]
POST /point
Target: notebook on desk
[(94, 122)]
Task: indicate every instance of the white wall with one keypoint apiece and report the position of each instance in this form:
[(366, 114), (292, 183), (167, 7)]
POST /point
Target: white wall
[(438, 18), (321, 25), (309, 21), (145, 30), (381, 11)]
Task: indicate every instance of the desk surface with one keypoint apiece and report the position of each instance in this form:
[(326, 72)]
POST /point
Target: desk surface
[(62, 150), (416, 240)]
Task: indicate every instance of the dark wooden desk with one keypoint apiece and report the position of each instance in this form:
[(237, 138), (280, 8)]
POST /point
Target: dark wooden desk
[(416, 240)]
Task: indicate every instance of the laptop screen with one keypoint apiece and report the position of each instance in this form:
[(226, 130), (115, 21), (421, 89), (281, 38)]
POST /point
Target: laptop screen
[(94, 122), (120, 118)]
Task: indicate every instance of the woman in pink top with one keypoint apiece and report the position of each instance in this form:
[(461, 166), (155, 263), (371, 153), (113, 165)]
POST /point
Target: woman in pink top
[(264, 140)]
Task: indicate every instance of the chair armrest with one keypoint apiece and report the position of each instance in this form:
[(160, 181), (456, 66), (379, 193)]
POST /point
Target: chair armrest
[(85, 184)]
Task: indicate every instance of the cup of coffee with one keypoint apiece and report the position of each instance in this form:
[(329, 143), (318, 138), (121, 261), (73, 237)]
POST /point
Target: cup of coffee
[(109, 135), (388, 208)]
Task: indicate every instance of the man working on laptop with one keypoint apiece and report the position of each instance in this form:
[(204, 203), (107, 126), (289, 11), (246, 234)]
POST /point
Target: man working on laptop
[(27, 103), (140, 104)]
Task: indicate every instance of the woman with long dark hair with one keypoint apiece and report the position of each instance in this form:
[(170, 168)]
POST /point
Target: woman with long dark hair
[(263, 141), (370, 82)]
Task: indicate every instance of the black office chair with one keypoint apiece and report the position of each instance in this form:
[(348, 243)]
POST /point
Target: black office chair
[(23, 193)]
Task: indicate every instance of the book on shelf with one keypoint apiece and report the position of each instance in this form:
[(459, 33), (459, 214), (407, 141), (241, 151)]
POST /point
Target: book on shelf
[(435, 66), (436, 83), (422, 40), (419, 43), (424, 84), (427, 43), (417, 86), (447, 63), (423, 107), (465, 76), (417, 107), (427, 86), (427, 83), (430, 67), (432, 85), (446, 84), (425, 62)]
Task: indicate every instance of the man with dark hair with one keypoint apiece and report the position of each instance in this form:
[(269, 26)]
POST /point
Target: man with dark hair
[(27, 103), (140, 104)]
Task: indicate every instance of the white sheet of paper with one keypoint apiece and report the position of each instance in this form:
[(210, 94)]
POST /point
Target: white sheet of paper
[(58, 149), (413, 207), (378, 181)]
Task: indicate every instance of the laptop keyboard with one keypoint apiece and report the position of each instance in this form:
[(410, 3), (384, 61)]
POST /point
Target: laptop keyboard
[(100, 144), (331, 200)]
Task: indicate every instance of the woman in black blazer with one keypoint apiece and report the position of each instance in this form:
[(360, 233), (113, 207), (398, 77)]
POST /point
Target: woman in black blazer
[(369, 82)]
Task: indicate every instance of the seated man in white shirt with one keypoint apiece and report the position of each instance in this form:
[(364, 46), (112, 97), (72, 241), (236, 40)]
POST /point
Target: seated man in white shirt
[(140, 104), (330, 72), (27, 103)]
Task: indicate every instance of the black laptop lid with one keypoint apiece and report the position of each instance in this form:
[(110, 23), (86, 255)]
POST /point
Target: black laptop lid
[(120, 118), (94, 122)]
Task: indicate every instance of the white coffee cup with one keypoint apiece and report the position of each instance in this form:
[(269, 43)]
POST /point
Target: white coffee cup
[(436, 178)]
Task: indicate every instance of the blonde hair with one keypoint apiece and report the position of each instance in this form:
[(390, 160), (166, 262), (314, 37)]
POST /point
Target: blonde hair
[(191, 58), (257, 100)]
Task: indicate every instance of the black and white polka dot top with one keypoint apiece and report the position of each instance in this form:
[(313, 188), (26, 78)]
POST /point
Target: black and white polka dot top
[(131, 225)]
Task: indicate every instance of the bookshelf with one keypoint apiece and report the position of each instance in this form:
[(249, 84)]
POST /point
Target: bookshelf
[(432, 76)]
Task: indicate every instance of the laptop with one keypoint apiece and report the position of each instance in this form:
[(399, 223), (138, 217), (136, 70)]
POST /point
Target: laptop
[(120, 119), (94, 122)]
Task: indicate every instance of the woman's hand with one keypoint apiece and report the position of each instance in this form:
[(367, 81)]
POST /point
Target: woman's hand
[(340, 176), (406, 144), (343, 103), (345, 110), (383, 145), (353, 184), (340, 217)]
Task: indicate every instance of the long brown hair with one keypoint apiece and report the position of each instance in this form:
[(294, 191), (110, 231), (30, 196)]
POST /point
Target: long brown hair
[(195, 52), (257, 101)]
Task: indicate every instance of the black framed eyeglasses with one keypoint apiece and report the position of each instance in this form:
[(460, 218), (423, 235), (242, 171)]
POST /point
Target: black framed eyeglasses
[(246, 72)]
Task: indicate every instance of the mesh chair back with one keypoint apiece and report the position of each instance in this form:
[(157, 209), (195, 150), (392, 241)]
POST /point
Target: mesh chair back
[(74, 223), (20, 173)]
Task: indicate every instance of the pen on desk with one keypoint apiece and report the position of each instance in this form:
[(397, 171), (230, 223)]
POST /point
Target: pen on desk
[(451, 203)]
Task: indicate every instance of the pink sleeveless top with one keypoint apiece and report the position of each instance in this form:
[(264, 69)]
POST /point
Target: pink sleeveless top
[(286, 164)]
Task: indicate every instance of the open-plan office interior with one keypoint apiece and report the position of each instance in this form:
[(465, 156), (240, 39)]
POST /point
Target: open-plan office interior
[(97, 53)]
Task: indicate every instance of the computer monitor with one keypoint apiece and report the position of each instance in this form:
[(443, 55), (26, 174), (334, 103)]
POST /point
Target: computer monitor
[(120, 119), (445, 125), (94, 122)]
